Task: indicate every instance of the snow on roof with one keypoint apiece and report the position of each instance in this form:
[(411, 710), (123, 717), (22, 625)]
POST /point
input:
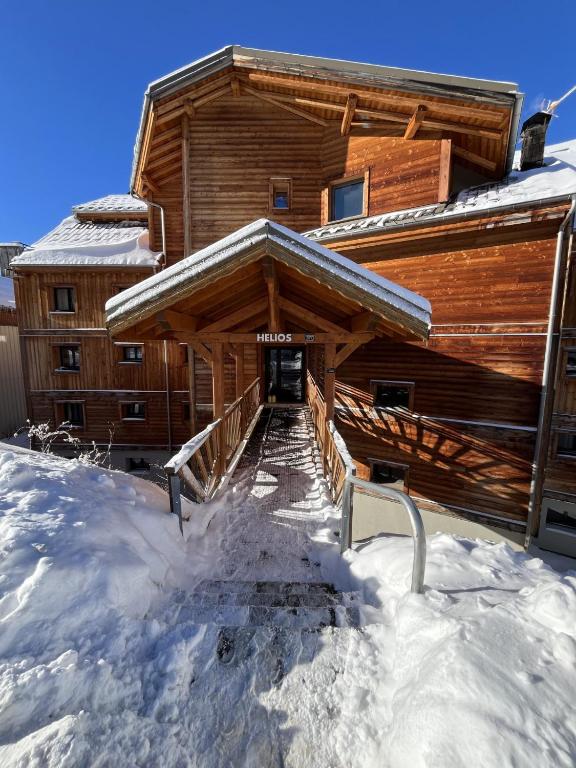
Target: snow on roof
[(556, 179), (90, 243), (407, 308), (112, 204)]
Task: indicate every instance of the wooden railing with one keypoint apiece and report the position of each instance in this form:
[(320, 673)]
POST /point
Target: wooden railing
[(205, 462), (340, 474)]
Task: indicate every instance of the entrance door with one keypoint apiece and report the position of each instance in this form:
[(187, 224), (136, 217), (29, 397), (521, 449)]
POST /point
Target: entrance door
[(284, 374)]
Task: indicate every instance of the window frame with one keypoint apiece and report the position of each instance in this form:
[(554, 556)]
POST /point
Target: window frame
[(396, 464), (558, 450), (60, 414), (409, 385), (139, 419), (57, 355), (134, 361), (55, 310), (569, 372), (119, 347), (341, 182), (287, 180)]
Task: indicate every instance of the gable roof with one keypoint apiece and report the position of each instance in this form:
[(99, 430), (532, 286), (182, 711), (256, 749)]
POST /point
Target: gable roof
[(556, 180), (352, 72), (406, 309)]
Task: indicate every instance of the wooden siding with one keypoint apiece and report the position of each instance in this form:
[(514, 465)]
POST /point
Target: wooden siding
[(12, 400)]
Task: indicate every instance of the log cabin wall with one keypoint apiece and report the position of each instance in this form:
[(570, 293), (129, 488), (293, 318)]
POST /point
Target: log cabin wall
[(468, 442)]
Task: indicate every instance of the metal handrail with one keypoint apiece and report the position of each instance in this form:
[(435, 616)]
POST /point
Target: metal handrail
[(418, 532)]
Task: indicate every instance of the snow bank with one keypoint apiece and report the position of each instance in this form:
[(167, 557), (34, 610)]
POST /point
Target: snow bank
[(87, 558), (480, 671)]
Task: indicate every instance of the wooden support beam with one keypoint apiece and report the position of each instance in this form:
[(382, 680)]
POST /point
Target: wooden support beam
[(365, 321), (201, 349), (234, 318), (186, 185), (346, 351), (170, 320), (301, 313), (149, 182), (218, 93), (351, 104), (263, 96), (147, 142), (235, 85), (258, 337), (239, 369), (218, 406), (415, 122), (472, 157), (445, 176), (329, 379), (271, 279), (192, 388)]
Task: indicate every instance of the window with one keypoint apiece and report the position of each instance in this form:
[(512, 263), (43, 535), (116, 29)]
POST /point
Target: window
[(280, 194), (132, 354), (73, 414), (64, 300), (134, 411), (348, 199), (137, 465), (186, 411), (566, 444), (390, 474), (69, 357), (571, 363), (392, 394)]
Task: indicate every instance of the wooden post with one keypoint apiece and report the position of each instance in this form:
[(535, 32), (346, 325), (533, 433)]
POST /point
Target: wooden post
[(239, 369), (218, 402), (192, 389), (186, 184), (329, 379)]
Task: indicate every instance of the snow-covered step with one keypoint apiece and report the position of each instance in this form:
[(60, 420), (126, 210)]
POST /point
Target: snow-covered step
[(254, 616), (269, 599), (278, 587)]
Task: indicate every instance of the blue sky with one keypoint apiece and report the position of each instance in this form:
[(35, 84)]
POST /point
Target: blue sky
[(73, 74)]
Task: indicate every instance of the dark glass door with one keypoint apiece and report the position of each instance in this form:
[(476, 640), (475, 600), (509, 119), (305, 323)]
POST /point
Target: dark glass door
[(284, 374)]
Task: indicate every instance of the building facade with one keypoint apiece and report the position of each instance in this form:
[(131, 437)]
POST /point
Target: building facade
[(406, 174)]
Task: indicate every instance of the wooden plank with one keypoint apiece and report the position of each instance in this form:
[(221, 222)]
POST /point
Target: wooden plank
[(192, 388), (239, 369), (201, 349), (252, 338), (445, 176), (415, 122), (351, 103), (237, 317), (262, 95), (329, 379), (301, 313), (271, 280), (474, 158), (170, 320), (235, 86)]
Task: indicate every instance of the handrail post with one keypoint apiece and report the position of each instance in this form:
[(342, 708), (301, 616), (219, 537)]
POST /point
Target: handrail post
[(346, 522), (175, 500)]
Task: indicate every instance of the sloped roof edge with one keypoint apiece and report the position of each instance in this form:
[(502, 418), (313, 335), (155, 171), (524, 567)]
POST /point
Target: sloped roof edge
[(388, 299), (371, 74)]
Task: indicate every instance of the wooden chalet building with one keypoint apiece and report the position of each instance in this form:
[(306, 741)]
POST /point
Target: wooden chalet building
[(360, 224)]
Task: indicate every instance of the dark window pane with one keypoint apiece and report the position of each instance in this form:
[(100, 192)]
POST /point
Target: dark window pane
[(64, 299), (74, 414), (390, 396), (281, 200), (70, 358), (138, 465), (571, 363), (186, 411), (388, 474), (567, 443), (347, 200), (132, 354), (563, 517), (134, 410)]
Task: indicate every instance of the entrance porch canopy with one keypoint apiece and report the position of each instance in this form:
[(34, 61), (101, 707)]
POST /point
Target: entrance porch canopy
[(265, 277), (266, 284)]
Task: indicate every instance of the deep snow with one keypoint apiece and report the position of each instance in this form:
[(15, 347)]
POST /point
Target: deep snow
[(480, 671)]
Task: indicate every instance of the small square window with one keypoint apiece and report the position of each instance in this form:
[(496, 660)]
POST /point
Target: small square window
[(64, 300), (392, 475), (134, 411), (347, 200), (132, 354), (571, 363), (73, 414), (567, 444), (69, 357), (392, 394), (280, 194)]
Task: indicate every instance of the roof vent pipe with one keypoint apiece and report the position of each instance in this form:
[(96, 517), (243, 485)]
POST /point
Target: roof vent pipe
[(533, 135)]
